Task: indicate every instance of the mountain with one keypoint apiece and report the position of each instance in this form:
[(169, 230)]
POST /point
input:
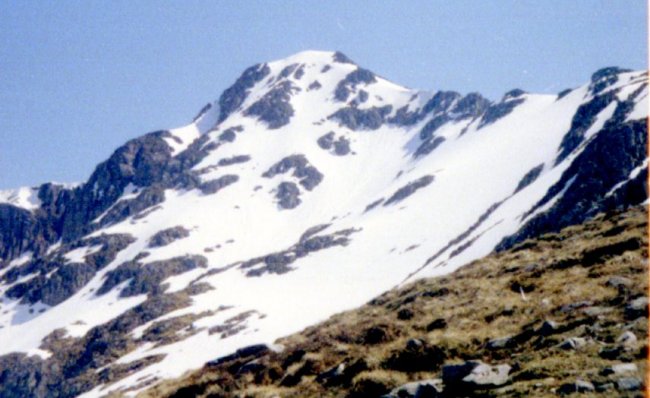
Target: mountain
[(309, 187), (563, 311)]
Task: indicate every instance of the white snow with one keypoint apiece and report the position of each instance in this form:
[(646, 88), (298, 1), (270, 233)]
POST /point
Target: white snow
[(26, 198), (472, 171)]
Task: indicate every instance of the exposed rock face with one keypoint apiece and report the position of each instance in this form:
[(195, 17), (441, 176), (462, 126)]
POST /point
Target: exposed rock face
[(274, 107), (623, 147), (167, 236), (288, 195), (309, 177), (148, 278), (362, 119), (64, 278), (233, 97), (213, 186), (351, 81), (278, 263), (409, 189), (339, 147)]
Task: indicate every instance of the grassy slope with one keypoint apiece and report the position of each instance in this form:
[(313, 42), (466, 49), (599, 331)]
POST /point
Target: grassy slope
[(456, 315)]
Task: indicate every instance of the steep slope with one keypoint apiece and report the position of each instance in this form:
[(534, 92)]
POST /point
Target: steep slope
[(309, 187), (564, 307)]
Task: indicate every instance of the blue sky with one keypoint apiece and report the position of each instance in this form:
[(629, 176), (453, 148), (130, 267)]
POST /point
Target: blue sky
[(79, 78)]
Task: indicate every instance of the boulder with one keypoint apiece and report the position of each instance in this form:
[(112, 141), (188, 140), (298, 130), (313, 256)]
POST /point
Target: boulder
[(637, 308), (431, 388), (573, 343), (473, 375), (621, 369), (628, 384), (578, 386)]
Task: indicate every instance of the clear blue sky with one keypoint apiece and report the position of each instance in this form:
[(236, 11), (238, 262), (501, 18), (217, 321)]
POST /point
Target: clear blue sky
[(79, 78)]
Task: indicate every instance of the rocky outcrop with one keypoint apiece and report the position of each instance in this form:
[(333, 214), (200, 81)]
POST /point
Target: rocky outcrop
[(361, 119), (584, 185), (234, 96), (167, 236), (274, 108), (409, 189), (308, 176), (346, 86)]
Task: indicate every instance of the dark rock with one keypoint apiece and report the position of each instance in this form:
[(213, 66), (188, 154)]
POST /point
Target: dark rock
[(308, 175), (148, 278), (249, 352), (498, 111), (405, 314), (637, 308), (416, 356), (213, 186), (361, 119), (234, 160), (530, 177), (167, 236), (274, 108), (547, 328), (341, 58), (573, 343), (563, 93), (583, 119), (471, 106), (437, 324), (605, 77), (350, 82), (428, 146), (233, 97), (579, 386), (373, 205), (587, 181), (288, 195), (287, 70), (230, 134), (409, 189), (315, 85), (514, 93), (432, 125), (473, 375), (326, 141), (377, 335)]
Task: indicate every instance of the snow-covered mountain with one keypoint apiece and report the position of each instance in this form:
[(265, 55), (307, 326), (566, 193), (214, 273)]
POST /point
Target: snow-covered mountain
[(309, 187)]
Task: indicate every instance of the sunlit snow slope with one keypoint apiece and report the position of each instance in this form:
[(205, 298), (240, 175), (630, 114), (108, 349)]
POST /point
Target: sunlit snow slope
[(311, 186)]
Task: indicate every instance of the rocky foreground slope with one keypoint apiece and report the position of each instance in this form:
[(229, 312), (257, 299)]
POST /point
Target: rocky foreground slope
[(564, 313), (310, 186)]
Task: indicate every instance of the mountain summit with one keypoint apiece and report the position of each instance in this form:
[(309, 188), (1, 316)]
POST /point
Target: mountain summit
[(310, 186)]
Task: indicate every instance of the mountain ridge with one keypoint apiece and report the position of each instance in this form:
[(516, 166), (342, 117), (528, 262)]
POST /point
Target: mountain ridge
[(302, 168)]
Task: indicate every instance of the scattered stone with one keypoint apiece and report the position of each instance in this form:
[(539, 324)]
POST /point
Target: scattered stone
[(618, 281), (430, 388), (579, 386), (627, 339), (405, 314), (597, 311), (439, 323), (620, 369), (637, 308), (573, 343), (603, 387), (475, 374), (499, 343), (628, 384), (548, 328)]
